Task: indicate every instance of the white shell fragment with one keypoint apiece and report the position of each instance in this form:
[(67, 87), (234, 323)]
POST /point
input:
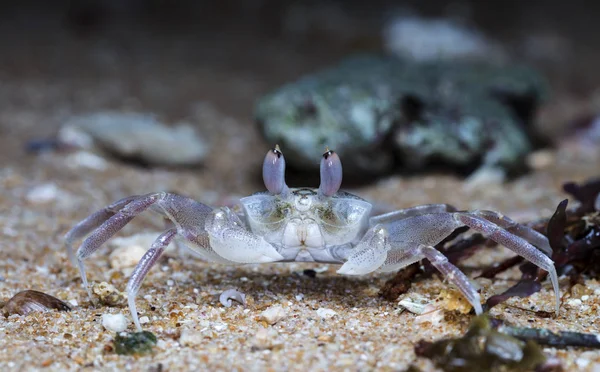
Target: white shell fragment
[(135, 135), (114, 322), (273, 314), (231, 294), (43, 193), (414, 303), (325, 313)]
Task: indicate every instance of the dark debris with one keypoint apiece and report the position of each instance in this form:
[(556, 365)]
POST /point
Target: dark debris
[(27, 301), (485, 349), (135, 343), (574, 236)]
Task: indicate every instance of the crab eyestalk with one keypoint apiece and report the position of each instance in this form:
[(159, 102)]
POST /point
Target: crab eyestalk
[(274, 172), (331, 173)]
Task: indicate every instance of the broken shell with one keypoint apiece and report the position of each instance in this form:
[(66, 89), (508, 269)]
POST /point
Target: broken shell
[(27, 301), (232, 294)]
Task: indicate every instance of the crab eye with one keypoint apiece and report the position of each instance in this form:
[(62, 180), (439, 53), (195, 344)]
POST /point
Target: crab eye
[(274, 171), (331, 173)]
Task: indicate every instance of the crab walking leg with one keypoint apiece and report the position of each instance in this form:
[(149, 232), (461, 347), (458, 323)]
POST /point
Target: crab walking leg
[(515, 243), (525, 232), (411, 212), (399, 258), (108, 228), (92, 222), (142, 268)]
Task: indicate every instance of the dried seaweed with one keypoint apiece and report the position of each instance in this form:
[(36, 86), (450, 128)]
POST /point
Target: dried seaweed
[(400, 283), (574, 236), (585, 194), (136, 343), (524, 288), (483, 348)]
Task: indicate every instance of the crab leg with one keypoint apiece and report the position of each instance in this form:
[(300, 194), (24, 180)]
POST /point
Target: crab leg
[(92, 222), (525, 232), (515, 243), (139, 273), (411, 212), (108, 228), (399, 258)]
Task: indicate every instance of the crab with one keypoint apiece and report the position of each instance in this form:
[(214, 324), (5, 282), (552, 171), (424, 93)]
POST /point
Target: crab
[(324, 225)]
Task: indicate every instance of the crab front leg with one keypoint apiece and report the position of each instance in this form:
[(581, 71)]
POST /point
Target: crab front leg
[(141, 270), (375, 251), (413, 238)]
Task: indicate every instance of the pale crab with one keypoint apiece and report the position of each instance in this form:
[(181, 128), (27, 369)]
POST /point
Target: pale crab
[(308, 225)]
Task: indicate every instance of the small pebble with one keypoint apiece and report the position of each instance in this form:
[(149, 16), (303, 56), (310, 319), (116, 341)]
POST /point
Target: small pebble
[(265, 339), (128, 251), (326, 313), (109, 295), (87, 160), (190, 337), (114, 322), (135, 136), (144, 320), (44, 193), (273, 314), (541, 159)]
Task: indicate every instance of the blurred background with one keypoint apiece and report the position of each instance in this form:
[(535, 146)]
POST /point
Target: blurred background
[(206, 63)]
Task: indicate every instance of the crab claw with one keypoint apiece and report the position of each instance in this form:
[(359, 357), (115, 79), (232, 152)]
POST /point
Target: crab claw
[(274, 171), (369, 255), (331, 173), (230, 240)]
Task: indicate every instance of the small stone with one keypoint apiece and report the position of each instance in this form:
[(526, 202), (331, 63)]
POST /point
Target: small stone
[(273, 314), (85, 159), (580, 290), (144, 320), (266, 339), (114, 322), (326, 313), (109, 295), (135, 136), (44, 193), (541, 159), (128, 251), (484, 177), (190, 337), (325, 338)]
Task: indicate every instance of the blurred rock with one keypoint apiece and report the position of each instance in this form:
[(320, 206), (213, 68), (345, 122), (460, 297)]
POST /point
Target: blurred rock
[(424, 39), (382, 113), (137, 137), (273, 314)]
